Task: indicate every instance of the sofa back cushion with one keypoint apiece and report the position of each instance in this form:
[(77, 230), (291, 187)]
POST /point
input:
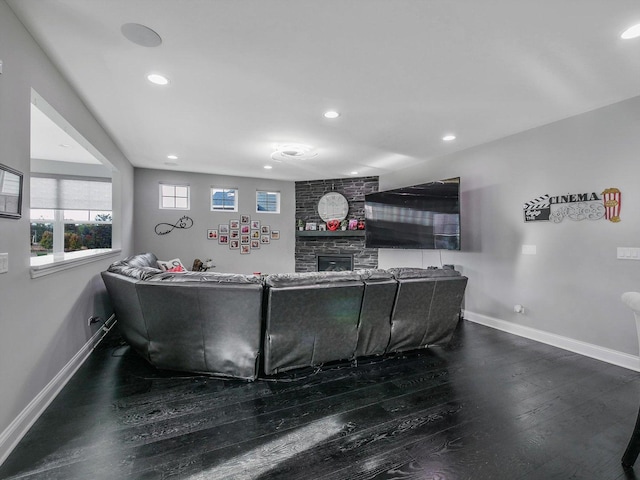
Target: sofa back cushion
[(310, 319), (131, 322), (374, 325)]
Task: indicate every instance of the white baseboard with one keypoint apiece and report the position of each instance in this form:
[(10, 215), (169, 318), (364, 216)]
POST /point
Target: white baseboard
[(17, 429), (608, 355)]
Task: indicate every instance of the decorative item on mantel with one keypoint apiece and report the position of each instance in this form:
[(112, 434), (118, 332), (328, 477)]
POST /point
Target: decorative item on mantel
[(343, 224), (353, 224), (361, 225), (300, 224), (333, 225)]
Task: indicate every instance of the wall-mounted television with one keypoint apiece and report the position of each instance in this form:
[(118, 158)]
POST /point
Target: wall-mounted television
[(425, 216)]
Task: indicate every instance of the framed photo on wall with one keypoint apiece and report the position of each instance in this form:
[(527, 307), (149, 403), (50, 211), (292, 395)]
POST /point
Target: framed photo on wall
[(212, 234), (255, 244), (244, 219), (223, 228), (255, 224), (234, 244), (10, 192), (244, 249), (234, 224), (223, 239), (275, 234)]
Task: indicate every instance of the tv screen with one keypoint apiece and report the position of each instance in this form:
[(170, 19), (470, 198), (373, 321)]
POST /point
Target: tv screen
[(425, 216)]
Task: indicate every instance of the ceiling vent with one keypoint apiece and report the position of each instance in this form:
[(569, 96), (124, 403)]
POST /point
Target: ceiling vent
[(293, 151)]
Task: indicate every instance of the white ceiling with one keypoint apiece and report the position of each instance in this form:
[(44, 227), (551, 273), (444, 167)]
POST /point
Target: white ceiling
[(49, 141), (249, 74)]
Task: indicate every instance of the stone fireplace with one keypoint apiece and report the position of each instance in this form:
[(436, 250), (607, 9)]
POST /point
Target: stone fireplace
[(312, 245)]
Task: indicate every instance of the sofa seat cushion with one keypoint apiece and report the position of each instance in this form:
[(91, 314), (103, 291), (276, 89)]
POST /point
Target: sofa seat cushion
[(310, 278)]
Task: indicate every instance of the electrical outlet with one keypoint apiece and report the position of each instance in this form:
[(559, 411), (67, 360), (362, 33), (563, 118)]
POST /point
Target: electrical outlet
[(4, 262)]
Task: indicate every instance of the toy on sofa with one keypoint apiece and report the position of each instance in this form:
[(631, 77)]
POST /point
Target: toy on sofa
[(200, 266)]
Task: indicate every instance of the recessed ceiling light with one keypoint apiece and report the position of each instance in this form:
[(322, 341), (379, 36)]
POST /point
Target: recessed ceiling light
[(64, 145), (268, 167), (449, 138), (631, 32), (157, 79), (354, 173), (172, 157), (331, 114)]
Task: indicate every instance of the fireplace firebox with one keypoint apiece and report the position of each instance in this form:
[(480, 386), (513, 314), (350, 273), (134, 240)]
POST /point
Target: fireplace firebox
[(334, 263)]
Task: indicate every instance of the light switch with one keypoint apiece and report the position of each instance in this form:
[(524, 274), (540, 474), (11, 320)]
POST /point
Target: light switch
[(4, 262), (628, 253)]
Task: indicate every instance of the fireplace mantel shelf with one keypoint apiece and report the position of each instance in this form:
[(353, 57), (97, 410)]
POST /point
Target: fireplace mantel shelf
[(327, 233)]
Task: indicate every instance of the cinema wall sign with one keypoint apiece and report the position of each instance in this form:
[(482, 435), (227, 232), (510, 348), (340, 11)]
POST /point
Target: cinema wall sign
[(575, 206)]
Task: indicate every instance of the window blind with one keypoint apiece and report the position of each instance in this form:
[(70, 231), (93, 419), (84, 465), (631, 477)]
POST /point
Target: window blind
[(65, 193)]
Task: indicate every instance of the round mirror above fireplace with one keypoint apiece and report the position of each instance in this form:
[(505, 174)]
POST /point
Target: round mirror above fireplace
[(333, 205)]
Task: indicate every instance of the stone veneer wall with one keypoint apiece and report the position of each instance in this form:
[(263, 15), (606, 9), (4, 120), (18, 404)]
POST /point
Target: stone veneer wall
[(308, 194)]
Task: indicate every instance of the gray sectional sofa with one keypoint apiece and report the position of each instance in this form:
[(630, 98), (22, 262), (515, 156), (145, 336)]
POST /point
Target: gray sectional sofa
[(244, 325)]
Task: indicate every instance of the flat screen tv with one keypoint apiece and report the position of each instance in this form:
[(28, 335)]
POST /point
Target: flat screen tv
[(425, 216)]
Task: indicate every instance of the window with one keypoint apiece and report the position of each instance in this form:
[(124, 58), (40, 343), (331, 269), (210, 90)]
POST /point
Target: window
[(72, 218), (69, 214), (224, 199), (174, 197), (267, 202)]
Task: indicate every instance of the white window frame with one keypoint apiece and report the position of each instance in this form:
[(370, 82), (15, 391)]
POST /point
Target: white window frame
[(277, 203), (162, 196), (224, 190)]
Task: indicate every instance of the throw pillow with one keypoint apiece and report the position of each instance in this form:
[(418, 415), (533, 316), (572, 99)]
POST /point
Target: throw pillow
[(167, 264)]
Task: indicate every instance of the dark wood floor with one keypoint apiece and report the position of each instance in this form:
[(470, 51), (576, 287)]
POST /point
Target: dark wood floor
[(491, 405)]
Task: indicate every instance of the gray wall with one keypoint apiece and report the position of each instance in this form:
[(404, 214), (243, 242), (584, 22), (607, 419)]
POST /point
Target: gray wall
[(188, 244), (572, 286), (43, 320)]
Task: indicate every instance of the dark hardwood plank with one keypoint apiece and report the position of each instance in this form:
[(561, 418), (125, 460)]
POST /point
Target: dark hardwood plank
[(489, 405)]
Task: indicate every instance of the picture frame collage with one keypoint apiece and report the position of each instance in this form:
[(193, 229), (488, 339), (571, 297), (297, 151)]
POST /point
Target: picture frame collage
[(243, 234)]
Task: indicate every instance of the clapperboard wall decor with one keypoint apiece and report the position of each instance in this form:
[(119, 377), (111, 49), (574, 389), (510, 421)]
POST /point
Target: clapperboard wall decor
[(575, 206)]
